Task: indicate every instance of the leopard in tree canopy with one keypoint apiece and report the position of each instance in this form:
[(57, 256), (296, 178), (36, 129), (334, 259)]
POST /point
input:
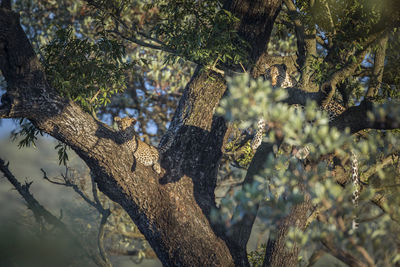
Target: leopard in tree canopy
[(279, 77), (143, 153)]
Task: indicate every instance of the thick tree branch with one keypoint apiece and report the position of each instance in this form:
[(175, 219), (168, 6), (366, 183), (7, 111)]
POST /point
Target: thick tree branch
[(357, 118), (277, 254), (306, 47), (135, 187), (196, 139), (300, 32), (375, 168), (342, 255), (379, 64), (329, 86), (331, 23), (256, 21), (195, 131), (240, 231)]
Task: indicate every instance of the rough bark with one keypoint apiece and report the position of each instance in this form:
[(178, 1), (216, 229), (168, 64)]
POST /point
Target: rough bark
[(256, 22), (240, 232), (167, 214), (277, 254), (356, 118), (171, 211), (194, 139), (379, 64)]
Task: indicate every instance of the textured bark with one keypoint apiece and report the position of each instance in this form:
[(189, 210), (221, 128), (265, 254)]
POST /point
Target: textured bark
[(356, 118), (167, 214), (172, 210), (242, 229), (256, 22), (379, 64), (277, 254), (195, 137)]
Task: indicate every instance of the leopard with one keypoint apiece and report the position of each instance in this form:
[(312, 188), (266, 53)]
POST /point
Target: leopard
[(334, 109), (257, 139), (144, 153), (279, 77)]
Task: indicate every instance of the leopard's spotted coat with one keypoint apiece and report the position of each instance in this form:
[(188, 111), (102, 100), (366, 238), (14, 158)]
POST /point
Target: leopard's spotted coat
[(279, 77), (143, 153)]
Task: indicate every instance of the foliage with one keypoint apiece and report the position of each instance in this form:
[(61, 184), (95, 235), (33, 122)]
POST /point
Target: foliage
[(283, 38), (246, 153), (28, 132), (284, 181), (200, 31), (86, 72), (391, 75), (152, 86), (256, 257), (133, 56), (345, 20), (62, 153)]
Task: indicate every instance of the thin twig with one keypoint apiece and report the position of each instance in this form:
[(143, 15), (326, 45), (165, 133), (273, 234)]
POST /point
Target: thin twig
[(349, 67), (105, 213), (68, 183), (373, 169), (100, 236), (363, 252), (40, 212)]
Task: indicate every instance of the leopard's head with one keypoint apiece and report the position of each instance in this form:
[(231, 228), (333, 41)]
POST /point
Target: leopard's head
[(124, 123)]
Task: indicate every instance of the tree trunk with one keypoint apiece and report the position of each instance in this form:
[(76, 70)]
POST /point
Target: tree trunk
[(171, 210), (167, 214)]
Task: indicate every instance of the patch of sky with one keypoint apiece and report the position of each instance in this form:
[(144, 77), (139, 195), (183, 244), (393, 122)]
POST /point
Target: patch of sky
[(367, 61), (151, 127), (6, 127)]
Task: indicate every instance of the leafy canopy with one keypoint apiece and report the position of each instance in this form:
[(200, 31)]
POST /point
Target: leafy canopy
[(89, 73)]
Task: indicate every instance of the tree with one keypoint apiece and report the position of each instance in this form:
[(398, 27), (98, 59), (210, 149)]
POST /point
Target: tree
[(345, 53)]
